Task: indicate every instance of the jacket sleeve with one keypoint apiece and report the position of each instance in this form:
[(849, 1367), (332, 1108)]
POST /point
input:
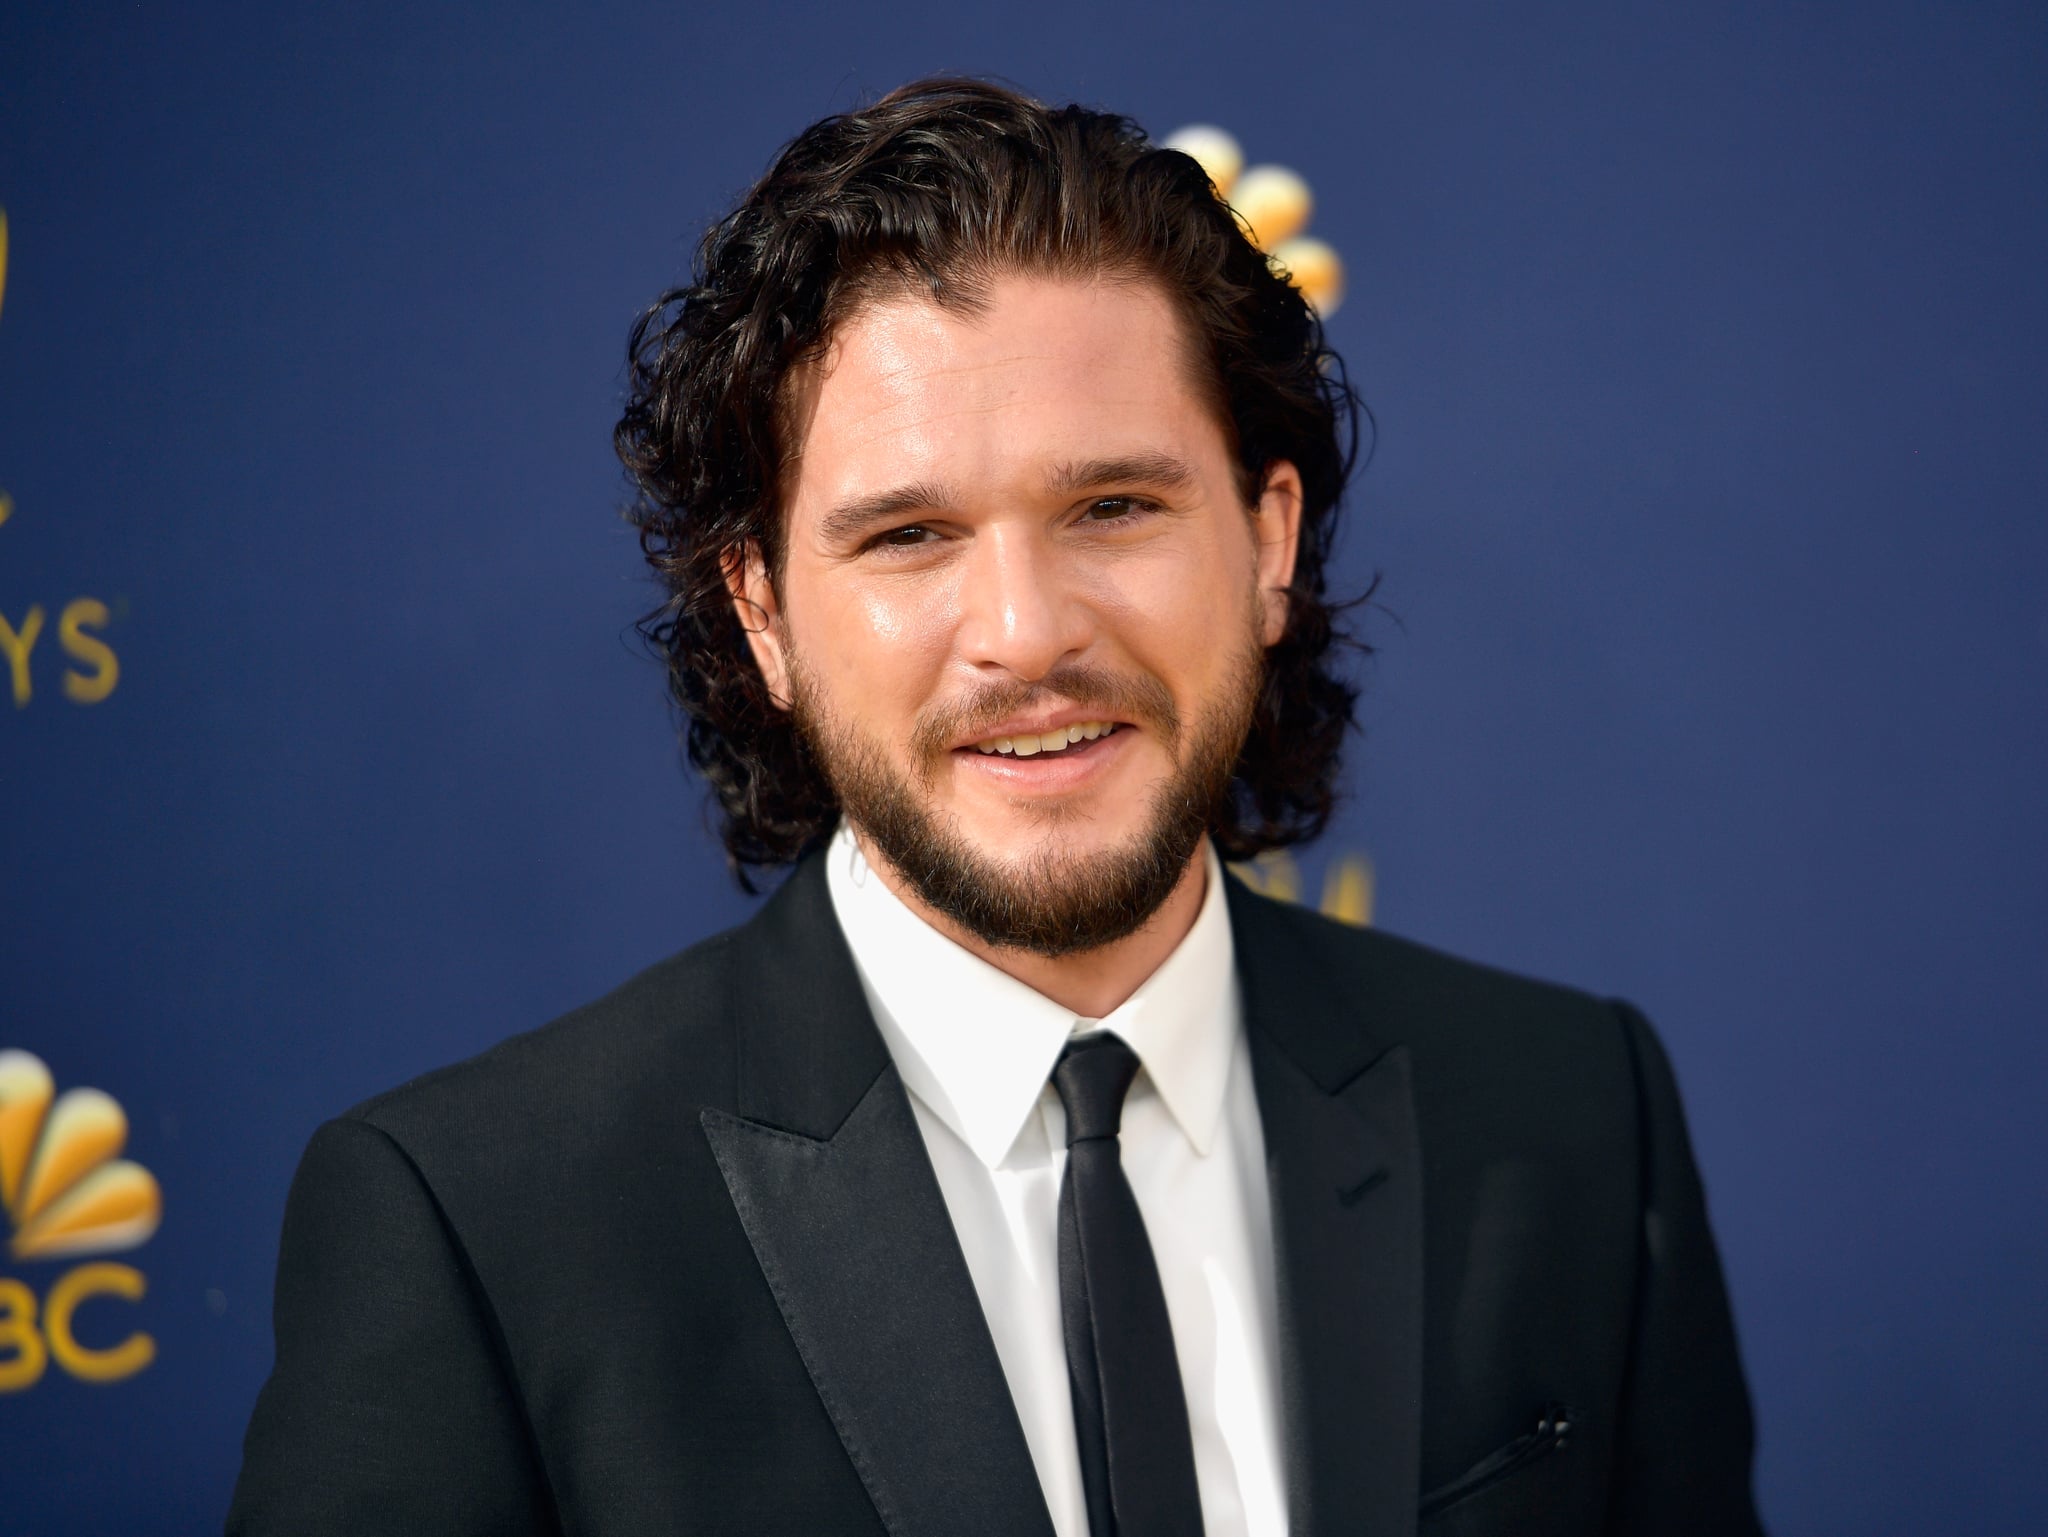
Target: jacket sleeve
[(1686, 1438), (390, 1408)]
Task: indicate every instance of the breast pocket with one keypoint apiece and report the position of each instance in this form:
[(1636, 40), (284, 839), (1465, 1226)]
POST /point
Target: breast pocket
[(1444, 1508)]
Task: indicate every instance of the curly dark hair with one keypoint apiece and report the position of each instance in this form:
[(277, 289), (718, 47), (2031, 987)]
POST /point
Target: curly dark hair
[(934, 189)]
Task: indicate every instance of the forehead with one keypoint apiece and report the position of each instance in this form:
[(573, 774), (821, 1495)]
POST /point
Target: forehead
[(1044, 369)]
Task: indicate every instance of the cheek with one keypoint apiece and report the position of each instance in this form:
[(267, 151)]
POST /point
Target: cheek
[(879, 645), (887, 620), (1175, 612)]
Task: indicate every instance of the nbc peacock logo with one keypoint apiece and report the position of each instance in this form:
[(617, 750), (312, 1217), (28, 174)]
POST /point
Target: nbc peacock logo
[(1275, 204), (68, 1194)]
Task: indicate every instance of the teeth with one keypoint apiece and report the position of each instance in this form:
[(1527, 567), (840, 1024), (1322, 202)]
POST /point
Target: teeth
[(1028, 745)]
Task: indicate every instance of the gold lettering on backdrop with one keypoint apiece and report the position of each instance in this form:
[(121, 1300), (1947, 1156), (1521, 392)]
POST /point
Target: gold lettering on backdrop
[(28, 1343), (97, 669), (91, 669), (87, 687), (17, 644), (23, 1356), (88, 1281)]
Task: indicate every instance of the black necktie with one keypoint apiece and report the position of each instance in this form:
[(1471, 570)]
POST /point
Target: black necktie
[(1137, 1457)]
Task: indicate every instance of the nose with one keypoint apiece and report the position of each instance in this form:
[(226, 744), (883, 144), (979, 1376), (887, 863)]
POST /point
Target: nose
[(1019, 610)]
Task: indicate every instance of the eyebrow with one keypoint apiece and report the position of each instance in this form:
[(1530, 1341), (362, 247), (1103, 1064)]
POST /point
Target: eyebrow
[(846, 523), (1162, 471), (850, 520)]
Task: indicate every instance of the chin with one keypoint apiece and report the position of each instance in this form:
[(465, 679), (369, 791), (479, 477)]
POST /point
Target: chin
[(1049, 832)]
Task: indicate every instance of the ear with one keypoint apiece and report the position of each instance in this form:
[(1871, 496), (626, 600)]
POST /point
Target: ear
[(760, 615), (1276, 526)]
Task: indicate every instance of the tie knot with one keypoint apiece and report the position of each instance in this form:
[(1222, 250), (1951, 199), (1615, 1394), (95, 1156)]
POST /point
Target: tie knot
[(1093, 1075)]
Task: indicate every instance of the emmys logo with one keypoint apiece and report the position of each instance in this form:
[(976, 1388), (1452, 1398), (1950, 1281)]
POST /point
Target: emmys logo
[(6, 501), (93, 668), (68, 1193)]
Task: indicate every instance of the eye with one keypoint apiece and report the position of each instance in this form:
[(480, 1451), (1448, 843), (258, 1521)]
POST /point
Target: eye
[(1116, 509), (908, 537)]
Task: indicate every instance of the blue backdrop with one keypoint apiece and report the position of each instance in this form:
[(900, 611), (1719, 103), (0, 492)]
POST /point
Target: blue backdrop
[(1707, 350)]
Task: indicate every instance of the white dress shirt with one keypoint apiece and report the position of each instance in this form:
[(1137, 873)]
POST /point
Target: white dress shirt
[(976, 1050)]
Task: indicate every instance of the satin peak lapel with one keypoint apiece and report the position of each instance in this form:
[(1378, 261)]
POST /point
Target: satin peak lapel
[(1344, 1165), (830, 1177)]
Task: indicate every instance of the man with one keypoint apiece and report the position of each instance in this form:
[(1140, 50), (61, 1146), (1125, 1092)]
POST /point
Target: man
[(1014, 1170)]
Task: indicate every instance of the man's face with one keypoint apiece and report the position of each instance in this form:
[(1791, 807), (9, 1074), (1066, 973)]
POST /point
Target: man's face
[(1023, 605)]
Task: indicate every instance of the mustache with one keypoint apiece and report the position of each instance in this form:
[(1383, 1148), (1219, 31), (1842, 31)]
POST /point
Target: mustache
[(1140, 699)]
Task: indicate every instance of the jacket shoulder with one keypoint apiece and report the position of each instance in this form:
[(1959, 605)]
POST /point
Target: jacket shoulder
[(1418, 982), (1484, 1039), (665, 1032)]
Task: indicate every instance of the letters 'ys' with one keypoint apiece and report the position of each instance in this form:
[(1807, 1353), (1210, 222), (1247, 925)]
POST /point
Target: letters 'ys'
[(68, 1193), (79, 622)]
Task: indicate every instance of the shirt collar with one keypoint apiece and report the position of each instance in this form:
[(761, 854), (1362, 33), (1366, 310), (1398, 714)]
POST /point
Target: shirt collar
[(977, 1046)]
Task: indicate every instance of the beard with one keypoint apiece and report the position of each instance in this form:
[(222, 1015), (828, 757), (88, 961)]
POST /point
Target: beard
[(1043, 899)]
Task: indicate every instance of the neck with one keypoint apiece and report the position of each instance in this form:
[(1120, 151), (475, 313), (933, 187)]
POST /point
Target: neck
[(1090, 982)]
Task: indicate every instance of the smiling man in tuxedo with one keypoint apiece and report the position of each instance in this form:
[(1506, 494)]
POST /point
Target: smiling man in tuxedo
[(1015, 1170)]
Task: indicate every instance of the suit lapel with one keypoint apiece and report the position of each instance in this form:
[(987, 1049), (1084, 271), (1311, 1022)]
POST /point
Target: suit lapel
[(1344, 1165), (828, 1172)]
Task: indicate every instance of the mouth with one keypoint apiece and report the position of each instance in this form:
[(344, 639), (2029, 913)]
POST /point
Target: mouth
[(1073, 738), (1057, 760)]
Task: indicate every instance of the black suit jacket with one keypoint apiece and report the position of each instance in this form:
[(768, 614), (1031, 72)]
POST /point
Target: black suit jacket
[(678, 1263)]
